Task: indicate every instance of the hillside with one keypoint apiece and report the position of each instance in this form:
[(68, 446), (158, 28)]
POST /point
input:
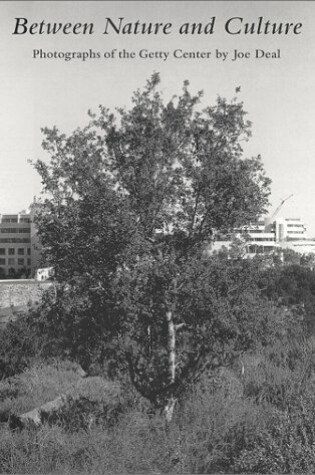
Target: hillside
[(15, 295)]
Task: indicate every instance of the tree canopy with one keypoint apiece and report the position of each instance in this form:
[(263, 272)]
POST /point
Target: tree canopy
[(172, 172), (132, 203)]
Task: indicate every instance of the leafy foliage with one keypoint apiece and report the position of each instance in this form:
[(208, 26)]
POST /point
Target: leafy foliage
[(17, 347), (157, 167), (133, 201), (294, 285)]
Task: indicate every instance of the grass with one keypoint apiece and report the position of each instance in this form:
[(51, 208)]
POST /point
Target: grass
[(44, 382), (138, 442), (217, 427)]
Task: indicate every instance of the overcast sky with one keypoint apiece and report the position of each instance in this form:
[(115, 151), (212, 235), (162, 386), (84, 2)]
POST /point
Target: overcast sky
[(278, 93)]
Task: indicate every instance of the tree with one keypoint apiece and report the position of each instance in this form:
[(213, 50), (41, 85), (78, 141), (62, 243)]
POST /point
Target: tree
[(134, 199), (293, 285), (291, 257)]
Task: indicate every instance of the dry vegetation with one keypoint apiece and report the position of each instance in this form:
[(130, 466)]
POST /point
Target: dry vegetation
[(227, 423)]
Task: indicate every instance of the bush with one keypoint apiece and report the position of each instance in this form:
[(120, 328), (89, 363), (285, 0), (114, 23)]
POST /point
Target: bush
[(215, 430), (36, 385), (285, 445), (17, 347)]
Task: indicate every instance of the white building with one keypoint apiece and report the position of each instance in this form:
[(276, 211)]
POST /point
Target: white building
[(44, 273), (291, 233), (269, 236)]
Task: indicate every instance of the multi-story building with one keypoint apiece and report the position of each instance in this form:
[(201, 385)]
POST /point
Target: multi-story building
[(253, 239), (19, 250), (291, 233), (269, 236)]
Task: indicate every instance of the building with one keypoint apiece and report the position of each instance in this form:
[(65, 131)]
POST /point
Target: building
[(291, 233), (269, 236), (45, 273), (251, 240), (19, 246)]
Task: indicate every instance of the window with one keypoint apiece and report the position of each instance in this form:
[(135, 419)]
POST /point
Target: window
[(28, 261), (21, 240), (11, 251), (11, 261), (2, 262), (14, 230), (21, 261), (8, 230), (21, 251), (28, 251), (2, 251), (9, 220)]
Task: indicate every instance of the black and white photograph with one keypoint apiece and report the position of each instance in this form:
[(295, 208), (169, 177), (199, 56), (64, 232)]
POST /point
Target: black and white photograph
[(157, 237)]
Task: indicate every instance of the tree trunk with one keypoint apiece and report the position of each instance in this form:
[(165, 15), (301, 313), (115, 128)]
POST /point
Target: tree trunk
[(169, 409), (171, 345)]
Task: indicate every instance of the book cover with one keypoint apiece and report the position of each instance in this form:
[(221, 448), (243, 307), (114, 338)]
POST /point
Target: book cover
[(150, 352)]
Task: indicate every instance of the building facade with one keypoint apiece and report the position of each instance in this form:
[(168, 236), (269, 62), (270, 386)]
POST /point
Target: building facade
[(270, 236), (19, 246)]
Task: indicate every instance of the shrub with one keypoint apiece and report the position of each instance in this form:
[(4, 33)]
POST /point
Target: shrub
[(36, 385), (285, 445), (17, 347)]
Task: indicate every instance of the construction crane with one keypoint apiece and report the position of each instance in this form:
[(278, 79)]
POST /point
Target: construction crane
[(279, 207)]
